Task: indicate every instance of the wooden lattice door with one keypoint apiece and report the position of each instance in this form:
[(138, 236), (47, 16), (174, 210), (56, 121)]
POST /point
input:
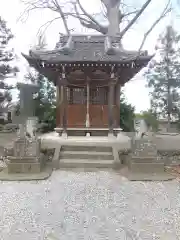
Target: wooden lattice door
[(98, 108), (76, 109)]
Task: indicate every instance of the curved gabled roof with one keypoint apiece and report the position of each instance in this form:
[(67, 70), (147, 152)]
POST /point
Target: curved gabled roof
[(84, 48)]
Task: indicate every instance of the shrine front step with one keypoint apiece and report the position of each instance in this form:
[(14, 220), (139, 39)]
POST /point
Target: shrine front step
[(84, 163), (86, 157), (86, 148)]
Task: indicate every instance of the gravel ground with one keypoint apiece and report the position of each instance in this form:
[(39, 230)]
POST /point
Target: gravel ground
[(94, 205)]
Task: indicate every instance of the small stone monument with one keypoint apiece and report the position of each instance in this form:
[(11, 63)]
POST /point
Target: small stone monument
[(144, 148), (25, 157), (144, 157)]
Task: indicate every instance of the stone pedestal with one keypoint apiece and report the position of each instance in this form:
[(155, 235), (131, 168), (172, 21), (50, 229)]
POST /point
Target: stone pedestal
[(144, 158), (145, 165), (26, 157), (25, 165)]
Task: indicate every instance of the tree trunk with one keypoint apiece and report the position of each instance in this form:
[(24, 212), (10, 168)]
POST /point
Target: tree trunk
[(114, 20), (169, 107), (114, 16), (169, 103), (169, 122)]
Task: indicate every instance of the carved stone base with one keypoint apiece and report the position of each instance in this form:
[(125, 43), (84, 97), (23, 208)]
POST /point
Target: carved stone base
[(24, 165), (30, 167)]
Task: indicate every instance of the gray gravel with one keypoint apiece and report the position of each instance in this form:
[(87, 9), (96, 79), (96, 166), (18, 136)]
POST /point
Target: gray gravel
[(92, 206)]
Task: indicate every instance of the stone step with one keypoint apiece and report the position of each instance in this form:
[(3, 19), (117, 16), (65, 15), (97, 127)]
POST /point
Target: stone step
[(86, 148), (84, 163), (86, 155), (147, 167), (145, 160)]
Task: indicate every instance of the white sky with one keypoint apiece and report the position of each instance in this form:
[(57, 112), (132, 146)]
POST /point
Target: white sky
[(26, 36)]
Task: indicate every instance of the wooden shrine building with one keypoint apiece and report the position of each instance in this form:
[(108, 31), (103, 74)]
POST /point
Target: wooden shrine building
[(88, 72)]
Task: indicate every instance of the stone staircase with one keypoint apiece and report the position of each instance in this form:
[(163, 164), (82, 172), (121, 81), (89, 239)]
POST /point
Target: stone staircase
[(86, 157)]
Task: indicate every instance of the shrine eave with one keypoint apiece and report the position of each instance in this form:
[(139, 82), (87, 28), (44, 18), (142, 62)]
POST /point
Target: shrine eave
[(140, 61)]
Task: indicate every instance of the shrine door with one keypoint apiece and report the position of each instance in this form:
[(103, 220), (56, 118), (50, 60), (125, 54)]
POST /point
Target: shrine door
[(98, 107), (94, 107), (80, 106)]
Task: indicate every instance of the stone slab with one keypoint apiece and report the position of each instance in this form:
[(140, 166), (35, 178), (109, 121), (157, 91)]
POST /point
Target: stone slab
[(86, 155), (135, 159), (13, 159), (147, 167), (149, 176), (44, 174), (83, 163), (89, 169)]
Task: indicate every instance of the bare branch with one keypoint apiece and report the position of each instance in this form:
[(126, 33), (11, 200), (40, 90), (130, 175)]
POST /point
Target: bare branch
[(93, 23), (62, 16), (31, 6), (53, 5), (116, 12), (89, 23), (47, 25), (166, 10), (135, 18), (129, 13)]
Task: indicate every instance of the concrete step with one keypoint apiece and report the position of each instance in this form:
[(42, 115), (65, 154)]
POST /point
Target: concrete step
[(145, 160), (86, 148), (84, 163), (86, 155), (147, 167)]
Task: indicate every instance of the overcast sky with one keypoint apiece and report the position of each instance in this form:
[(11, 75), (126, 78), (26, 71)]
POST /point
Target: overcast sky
[(26, 36)]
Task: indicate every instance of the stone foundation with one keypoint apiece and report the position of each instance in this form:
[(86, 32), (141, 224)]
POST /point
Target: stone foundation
[(25, 164), (14, 167)]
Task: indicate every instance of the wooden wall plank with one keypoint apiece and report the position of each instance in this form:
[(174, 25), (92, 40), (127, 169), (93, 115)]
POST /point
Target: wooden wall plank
[(76, 115)]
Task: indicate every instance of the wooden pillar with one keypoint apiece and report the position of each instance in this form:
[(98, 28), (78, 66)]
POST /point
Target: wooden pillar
[(64, 102), (87, 105), (57, 106), (118, 89), (64, 111), (111, 99)]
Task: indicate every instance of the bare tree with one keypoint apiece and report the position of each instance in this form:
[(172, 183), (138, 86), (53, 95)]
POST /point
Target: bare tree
[(116, 17)]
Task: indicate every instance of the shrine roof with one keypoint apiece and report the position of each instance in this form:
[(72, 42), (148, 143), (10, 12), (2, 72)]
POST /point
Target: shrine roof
[(85, 48)]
